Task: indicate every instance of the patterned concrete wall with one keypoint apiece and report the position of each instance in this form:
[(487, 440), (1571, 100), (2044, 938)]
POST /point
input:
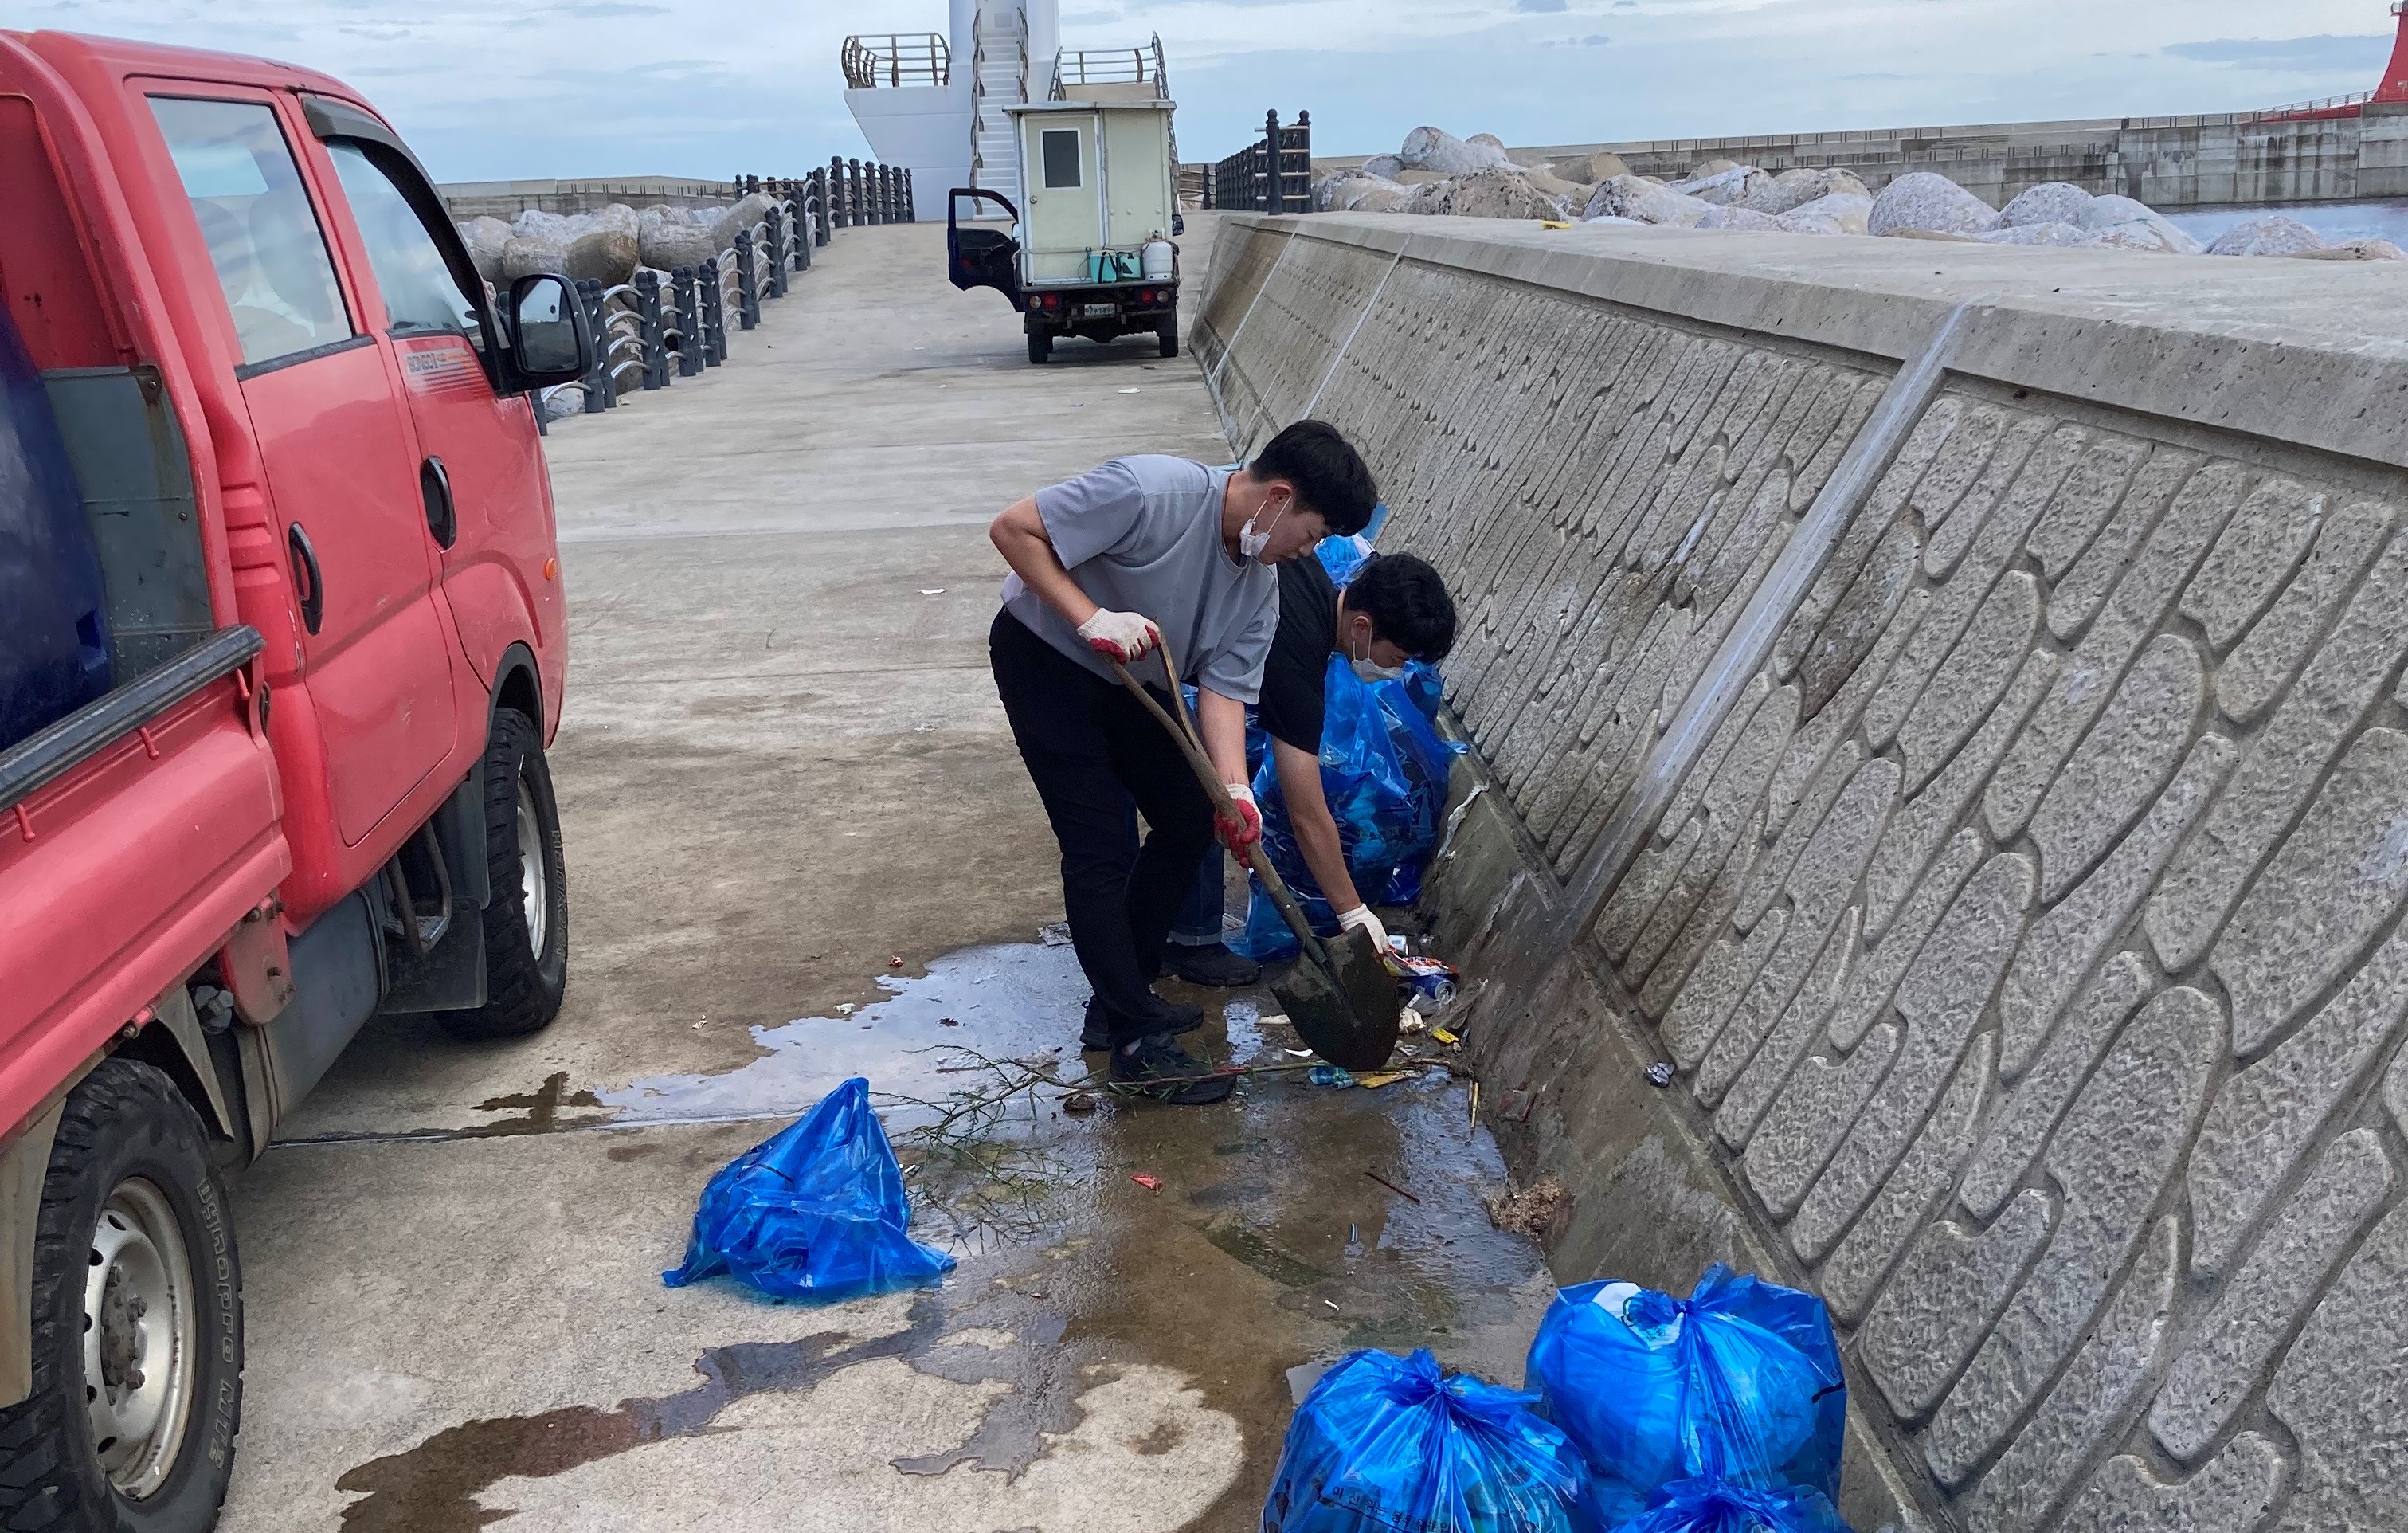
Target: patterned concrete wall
[(2025, 936)]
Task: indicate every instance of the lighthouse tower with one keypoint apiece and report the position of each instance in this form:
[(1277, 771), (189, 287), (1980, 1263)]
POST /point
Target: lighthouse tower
[(935, 101), (2395, 74)]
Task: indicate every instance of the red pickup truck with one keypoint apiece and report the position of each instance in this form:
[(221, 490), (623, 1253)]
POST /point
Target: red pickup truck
[(258, 396)]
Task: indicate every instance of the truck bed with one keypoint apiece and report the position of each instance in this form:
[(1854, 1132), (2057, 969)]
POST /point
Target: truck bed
[(133, 835)]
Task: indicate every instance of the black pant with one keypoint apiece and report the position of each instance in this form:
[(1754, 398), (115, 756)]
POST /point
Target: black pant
[(1090, 749)]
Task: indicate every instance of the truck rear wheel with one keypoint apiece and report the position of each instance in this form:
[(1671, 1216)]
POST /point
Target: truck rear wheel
[(1167, 333), (526, 919), (137, 1321), (1041, 345)]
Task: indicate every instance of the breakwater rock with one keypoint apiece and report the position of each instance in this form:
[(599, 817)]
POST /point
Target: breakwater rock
[(1433, 172)]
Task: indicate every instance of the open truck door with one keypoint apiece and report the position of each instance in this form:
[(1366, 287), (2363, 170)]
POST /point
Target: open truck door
[(977, 258)]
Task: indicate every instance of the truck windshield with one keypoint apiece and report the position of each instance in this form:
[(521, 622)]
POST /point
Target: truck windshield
[(263, 235), (421, 297)]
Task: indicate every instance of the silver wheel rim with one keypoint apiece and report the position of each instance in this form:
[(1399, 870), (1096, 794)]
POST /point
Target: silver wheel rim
[(535, 889), (139, 1337)]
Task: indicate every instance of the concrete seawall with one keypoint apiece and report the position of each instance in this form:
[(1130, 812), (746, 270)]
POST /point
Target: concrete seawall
[(508, 199), (2166, 161), (1948, 702)]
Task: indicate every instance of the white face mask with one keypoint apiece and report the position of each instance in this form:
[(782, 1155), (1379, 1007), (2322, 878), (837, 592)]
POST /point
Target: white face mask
[(1251, 543), (1369, 671)]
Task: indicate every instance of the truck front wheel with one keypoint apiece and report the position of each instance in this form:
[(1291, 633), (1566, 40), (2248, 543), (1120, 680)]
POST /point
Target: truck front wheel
[(526, 916), (137, 1321)]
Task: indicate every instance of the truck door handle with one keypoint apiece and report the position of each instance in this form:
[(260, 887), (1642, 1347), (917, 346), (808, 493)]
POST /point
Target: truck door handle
[(435, 489), (312, 590)]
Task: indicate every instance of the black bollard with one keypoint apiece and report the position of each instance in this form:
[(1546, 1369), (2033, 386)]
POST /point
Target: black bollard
[(647, 313), (773, 282), (748, 282), (688, 286), (600, 395), (715, 313)]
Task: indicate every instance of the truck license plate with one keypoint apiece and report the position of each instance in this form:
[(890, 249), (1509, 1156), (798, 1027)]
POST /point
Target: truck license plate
[(1101, 312)]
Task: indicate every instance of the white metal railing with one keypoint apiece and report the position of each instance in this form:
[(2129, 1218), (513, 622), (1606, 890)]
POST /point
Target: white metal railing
[(1109, 66), (893, 59)]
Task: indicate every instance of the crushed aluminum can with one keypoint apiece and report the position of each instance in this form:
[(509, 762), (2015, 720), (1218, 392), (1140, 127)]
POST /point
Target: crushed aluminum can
[(1431, 980)]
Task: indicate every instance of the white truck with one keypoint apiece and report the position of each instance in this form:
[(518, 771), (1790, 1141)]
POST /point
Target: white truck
[(1090, 253)]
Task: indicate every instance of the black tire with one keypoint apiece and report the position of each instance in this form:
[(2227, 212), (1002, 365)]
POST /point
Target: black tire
[(1041, 345), (127, 1142), (525, 980), (1167, 333)]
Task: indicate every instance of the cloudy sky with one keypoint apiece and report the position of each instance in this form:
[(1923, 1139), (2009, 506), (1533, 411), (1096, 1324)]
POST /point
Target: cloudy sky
[(500, 88)]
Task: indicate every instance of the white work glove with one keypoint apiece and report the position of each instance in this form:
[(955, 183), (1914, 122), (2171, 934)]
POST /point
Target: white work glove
[(1361, 918), (1247, 828), (1125, 636)]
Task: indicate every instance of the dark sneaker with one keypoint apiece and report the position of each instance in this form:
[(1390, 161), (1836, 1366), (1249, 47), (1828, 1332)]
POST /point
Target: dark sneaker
[(1174, 1018), (1210, 964), (1155, 1067)]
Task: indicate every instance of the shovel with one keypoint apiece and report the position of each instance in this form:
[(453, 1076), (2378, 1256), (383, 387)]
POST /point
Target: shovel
[(1339, 994)]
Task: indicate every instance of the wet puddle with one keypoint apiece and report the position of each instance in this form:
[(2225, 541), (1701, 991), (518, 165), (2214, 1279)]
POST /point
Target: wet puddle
[(1007, 1001), (1244, 1248)]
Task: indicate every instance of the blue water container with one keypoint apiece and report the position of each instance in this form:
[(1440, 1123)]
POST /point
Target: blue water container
[(54, 608)]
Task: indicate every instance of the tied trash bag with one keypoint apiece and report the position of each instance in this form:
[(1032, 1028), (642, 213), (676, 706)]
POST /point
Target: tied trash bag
[(1716, 1506), (1739, 1383), (817, 1212), (1383, 771), (1385, 1443)]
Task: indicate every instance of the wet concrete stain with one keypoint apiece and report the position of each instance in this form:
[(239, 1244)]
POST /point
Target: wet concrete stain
[(433, 1487), (1008, 1000)]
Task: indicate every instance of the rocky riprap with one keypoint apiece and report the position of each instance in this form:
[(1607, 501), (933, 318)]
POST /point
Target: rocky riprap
[(1435, 172)]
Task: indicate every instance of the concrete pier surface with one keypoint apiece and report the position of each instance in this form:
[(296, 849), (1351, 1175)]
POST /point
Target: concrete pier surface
[(783, 768)]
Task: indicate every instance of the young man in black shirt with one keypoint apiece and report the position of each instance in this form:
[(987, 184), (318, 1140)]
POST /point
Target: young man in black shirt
[(1396, 609)]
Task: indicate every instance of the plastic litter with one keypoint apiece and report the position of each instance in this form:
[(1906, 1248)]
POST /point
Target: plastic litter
[(1739, 1383), (1432, 981), (1330, 1075), (817, 1212), (1714, 1506), (1147, 1179), (1385, 1443), (1659, 1075)]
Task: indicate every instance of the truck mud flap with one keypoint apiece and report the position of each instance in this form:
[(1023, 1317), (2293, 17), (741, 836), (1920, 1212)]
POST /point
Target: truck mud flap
[(450, 975)]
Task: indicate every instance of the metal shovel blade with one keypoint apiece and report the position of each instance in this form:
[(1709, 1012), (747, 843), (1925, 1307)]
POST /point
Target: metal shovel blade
[(1348, 1017)]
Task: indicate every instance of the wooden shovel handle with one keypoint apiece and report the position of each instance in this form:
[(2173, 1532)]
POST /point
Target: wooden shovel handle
[(1187, 736)]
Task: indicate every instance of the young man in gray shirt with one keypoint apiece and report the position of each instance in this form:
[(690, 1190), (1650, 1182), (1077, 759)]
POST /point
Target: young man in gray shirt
[(1104, 568)]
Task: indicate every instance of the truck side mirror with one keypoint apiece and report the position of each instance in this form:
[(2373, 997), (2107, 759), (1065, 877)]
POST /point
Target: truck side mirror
[(550, 340)]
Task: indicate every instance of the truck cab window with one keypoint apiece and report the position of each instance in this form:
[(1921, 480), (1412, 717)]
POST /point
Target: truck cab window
[(1061, 147), (420, 295), (263, 235)]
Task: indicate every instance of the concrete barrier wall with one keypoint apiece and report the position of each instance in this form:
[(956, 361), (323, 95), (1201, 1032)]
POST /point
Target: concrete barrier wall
[(508, 199), (2166, 161), (1948, 703)]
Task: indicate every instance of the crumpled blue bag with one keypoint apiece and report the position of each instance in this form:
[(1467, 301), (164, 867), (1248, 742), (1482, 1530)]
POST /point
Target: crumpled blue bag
[(1385, 1443), (1739, 1383), (817, 1212), (1383, 770), (1716, 1506)]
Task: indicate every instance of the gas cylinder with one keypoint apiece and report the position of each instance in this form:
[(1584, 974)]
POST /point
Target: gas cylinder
[(1157, 259)]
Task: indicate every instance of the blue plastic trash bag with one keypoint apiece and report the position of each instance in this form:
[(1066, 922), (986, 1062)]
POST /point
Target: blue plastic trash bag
[(816, 1213), (1383, 771), (1385, 1443), (1716, 1506), (1740, 1382), (1341, 557)]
